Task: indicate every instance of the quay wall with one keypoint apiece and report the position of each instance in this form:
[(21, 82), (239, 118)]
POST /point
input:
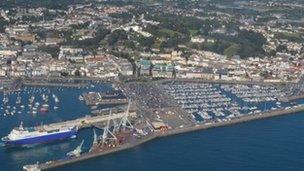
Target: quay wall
[(224, 81), (86, 156), (48, 84), (293, 98), (107, 101), (246, 118), (70, 78)]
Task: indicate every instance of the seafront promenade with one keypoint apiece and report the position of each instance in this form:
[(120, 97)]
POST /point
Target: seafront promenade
[(245, 118)]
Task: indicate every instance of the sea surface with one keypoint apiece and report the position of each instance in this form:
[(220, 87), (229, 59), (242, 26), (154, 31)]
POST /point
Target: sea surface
[(271, 144)]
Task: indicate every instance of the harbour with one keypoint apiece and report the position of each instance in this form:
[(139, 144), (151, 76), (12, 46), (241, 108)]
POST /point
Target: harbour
[(152, 85), (89, 155), (159, 109)]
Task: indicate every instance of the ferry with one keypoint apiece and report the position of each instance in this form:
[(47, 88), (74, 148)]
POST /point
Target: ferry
[(37, 135)]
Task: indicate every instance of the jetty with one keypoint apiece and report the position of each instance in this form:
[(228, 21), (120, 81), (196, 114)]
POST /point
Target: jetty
[(98, 98), (58, 84), (159, 134), (88, 121), (293, 98)]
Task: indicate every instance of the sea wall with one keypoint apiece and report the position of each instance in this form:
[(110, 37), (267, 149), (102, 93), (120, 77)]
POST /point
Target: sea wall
[(245, 118)]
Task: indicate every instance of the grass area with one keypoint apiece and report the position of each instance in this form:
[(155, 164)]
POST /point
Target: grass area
[(231, 50), (295, 37), (193, 32), (168, 33), (157, 44), (209, 44)]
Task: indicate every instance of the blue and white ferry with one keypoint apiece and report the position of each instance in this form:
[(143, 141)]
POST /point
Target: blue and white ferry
[(35, 135)]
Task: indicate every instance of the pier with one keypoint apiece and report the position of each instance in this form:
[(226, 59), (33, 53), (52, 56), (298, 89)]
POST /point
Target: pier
[(89, 155), (88, 121), (293, 98), (248, 82), (10, 85), (50, 84), (98, 98)]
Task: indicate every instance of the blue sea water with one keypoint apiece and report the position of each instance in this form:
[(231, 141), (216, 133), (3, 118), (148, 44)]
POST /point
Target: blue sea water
[(272, 144)]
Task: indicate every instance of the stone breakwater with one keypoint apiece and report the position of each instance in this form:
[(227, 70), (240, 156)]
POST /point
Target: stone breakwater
[(245, 118)]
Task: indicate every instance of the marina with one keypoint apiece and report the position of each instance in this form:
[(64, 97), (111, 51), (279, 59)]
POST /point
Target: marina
[(214, 102)]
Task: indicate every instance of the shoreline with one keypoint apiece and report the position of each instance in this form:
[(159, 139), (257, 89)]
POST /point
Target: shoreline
[(242, 119)]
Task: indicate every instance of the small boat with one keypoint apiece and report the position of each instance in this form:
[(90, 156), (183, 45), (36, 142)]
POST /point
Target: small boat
[(80, 98), (33, 167), (77, 151), (44, 110), (18, 101), (55, 98), (45, 105), (32, 98)]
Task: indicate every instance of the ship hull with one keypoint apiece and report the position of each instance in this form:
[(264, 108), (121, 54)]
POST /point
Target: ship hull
[(42, 139)]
